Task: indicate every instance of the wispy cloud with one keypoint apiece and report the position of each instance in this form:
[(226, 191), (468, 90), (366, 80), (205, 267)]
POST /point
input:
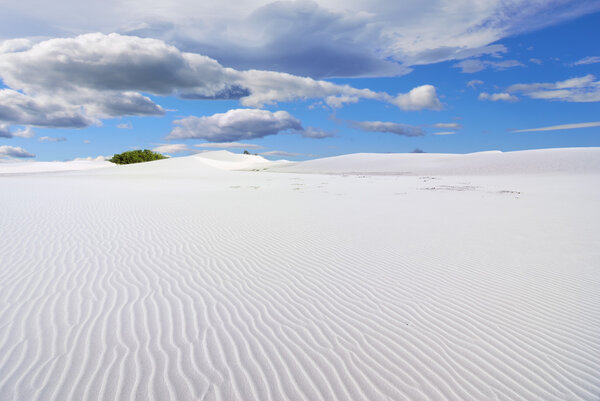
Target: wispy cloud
[(228, 145), (52, 139), (561, 127), (474, 83), (172, 148), (444, 133), (578, 89), (126, 125), (475, 65), (283, 153), (391, 127), (447, 125), (588, 60), (316, 133), (494, 97)]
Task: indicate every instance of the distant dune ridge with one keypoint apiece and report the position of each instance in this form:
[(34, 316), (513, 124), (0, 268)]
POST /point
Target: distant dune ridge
[(220, 276)]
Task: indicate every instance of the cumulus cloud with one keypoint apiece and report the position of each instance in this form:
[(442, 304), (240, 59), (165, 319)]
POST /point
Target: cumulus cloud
[(561, 127), (172, 148), (394, 128), (41, 111), (52, 139), (329, 38), (444, 133), (475, 65), (5, 131), (73, 82), (536, 61), (126, 125), (578, 89), (228, 145), (494, 97), (26, 132), (15, 45), (14, 151), (235, 125), (422, 97), (588, 60)]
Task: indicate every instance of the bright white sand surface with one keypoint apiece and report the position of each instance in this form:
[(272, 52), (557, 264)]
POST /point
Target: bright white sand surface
[(420, 277)]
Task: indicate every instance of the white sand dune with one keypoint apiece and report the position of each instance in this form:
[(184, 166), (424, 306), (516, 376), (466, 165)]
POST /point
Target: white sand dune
[(22, 167), (542, 161), (184, 279)]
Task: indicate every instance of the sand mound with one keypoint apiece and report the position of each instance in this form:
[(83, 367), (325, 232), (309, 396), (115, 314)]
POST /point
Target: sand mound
[(46, 167), (188, 165), (570, 160), (178, 280)]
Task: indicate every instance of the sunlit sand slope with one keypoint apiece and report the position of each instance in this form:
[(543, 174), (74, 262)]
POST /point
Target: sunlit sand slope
[(183, 280)]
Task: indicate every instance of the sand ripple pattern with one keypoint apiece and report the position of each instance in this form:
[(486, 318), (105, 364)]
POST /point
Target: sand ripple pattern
[(111, 291)]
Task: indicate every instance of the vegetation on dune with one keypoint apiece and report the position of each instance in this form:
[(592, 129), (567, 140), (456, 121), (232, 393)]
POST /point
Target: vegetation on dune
[(136, 156)]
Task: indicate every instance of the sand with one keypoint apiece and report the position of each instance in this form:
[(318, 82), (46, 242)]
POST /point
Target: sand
[(394, 277)]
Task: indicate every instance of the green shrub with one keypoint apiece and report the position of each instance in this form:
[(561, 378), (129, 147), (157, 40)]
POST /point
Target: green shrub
[(136, 156)]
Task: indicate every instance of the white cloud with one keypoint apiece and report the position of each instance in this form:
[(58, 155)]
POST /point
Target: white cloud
[(588, 60), (474, 65), (445, 133), (43, 111), (229, 145), (561, 127), (336, 102), (328, 38), (579, 89), (73, 82), (474, 83), (26, 132), (92, 159), (126, 125), (422, 97), (494, 97), (283, 153), (394, 128), (14, 151), (51, 139), (15, 45), (536, 61), (5, 131), (235, 125), (448, 125), (312, 132), (172, 148)]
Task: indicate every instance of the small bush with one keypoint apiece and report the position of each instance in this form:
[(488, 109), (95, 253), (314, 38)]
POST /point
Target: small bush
[(136, 156)]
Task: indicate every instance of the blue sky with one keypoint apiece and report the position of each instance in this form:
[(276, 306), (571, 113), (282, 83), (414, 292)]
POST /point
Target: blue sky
[(66, 95)]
